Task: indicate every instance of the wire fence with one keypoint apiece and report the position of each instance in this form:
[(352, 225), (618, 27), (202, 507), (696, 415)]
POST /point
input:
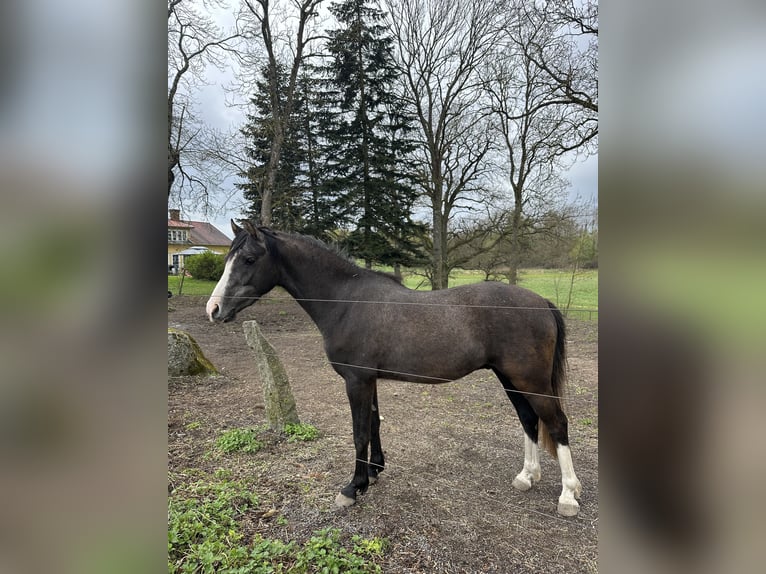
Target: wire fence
[(565, 311), (409, 375)]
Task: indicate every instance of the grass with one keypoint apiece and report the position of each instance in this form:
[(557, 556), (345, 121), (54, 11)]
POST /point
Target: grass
[(553, 284), (191, 286)]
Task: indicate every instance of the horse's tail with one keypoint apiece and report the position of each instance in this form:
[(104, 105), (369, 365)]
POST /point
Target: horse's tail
[(558, 376)]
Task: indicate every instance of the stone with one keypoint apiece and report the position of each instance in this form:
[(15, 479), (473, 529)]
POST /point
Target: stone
[(277, 395), (185, 357)]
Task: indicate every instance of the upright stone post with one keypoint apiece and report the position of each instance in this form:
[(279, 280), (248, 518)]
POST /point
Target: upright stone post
[(277, 396)]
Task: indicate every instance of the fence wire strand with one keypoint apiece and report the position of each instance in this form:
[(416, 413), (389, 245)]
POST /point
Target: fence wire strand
[(408, 303)]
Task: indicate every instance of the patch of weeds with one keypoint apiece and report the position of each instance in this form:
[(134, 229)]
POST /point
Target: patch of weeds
[(369, 546), (203, 533), (193, 426), (238, 440), (587, 421), (324, 552), (579, 390), (270, 555), (300, 431), (222, 473), (204, 537)]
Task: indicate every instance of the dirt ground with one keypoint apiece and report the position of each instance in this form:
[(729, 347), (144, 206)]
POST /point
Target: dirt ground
[(444, 502)]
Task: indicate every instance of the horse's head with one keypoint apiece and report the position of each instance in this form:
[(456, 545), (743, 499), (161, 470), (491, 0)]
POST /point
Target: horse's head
[(249, 273)]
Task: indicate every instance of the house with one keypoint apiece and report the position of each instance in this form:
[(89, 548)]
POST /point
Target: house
[(184, 234)]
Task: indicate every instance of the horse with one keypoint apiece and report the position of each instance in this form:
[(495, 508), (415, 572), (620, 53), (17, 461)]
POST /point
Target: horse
[(374, 327)]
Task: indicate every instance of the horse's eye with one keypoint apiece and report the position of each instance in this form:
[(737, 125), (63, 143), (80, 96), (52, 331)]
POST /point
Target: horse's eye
[(249, 260)]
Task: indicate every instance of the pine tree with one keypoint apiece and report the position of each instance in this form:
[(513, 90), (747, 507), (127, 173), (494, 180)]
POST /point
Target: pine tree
[(367, 137), (298, 201), (259, 133)]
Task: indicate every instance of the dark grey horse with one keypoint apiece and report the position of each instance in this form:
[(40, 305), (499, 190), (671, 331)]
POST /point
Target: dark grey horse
[(374, 327)]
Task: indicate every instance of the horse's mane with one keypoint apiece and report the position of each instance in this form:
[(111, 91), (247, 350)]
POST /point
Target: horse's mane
[(332, 248)]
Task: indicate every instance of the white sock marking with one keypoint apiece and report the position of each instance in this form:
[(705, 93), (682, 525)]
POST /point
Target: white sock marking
[(531, 471), (570, 485)]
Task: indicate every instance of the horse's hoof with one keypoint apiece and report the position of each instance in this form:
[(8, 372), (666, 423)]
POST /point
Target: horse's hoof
[(343, 501), (521, 483), (568, 508)]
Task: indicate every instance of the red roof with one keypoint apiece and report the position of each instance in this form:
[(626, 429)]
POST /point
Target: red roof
[(201, 232), (181, 224)]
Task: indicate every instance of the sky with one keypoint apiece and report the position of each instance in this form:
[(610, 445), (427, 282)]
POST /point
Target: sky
[(215, 107)]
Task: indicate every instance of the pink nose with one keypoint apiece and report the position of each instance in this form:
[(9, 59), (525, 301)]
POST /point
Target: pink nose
[(212, 309)]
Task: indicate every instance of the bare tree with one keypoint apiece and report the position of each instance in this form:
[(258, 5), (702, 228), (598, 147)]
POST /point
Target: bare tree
[(194, 42), (441, 46), (570, 63), (294, 44), (539, 120)]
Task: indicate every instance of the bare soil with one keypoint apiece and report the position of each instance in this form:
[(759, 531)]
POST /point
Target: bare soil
[(444, 502)]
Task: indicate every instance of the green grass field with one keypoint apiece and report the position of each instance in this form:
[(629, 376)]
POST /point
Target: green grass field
[(553, 284), (190, 286)]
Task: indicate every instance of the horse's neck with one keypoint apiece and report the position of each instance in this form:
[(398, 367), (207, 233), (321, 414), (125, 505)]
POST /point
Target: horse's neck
[(315, 277)]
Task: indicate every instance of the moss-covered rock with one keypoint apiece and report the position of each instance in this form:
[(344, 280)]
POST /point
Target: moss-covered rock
[(185, 356)]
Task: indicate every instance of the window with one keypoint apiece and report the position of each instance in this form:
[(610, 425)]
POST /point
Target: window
[(177, 235)]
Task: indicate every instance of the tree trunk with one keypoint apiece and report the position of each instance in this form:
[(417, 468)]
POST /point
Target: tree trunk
[(439, 251), (270, 177), (171, 178), (513, 263)]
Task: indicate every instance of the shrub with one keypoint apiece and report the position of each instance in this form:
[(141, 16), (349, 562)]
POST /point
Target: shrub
[(208, 266)]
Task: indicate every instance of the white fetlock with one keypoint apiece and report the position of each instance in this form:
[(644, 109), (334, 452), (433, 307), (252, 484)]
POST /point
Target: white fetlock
[(530, 474), (344, 501)]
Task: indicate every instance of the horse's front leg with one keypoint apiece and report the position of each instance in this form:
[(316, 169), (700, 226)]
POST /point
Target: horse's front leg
[(360, 393), (377, 460)]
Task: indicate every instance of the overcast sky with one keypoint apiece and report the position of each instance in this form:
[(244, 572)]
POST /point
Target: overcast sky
[(217, 111)]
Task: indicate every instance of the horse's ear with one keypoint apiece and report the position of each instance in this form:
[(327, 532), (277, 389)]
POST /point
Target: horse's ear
[(252, 230), (235, 228)]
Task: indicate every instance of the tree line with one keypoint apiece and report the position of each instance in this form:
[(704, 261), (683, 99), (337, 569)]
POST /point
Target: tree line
[(413, 132)]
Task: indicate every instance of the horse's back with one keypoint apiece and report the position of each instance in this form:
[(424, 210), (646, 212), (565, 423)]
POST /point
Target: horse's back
[(447, 333)]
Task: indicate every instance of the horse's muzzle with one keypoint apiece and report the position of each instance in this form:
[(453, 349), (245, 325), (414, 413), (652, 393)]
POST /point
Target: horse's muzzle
[(213, 310)]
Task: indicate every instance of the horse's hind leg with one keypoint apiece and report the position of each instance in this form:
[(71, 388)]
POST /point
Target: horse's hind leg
[(377, 461), (530, 474), (555, 424)]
